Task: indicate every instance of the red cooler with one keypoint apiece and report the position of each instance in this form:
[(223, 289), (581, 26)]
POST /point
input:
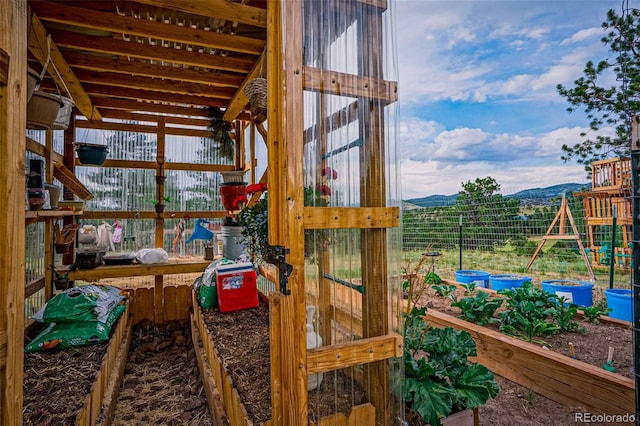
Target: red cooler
[(236, 284)]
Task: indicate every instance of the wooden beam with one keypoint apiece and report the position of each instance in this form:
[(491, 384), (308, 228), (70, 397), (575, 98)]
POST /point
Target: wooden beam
[(350, 85), (348, 354), (128, 105), (145, 69), (186, 121), (173, 267), (71, 182), (33, 287), (146, 51), (157, 95), (108, 83), (38, 47), (143, 128), (349, 217), (221, 9), (240, 100), (13, 104), (113, 22)]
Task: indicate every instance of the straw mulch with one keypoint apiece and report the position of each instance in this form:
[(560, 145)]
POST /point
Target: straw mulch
[(56, 383), (162, 384)]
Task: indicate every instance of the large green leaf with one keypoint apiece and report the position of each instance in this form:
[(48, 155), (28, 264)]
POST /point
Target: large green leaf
[(431, 400), (475, 386)]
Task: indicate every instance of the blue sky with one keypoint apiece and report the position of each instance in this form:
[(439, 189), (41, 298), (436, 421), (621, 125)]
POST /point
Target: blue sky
[(477, 90)]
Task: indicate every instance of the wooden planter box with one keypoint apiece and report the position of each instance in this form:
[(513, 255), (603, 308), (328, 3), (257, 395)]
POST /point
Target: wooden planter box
[(565, 380), (224, 400), (104, 391)]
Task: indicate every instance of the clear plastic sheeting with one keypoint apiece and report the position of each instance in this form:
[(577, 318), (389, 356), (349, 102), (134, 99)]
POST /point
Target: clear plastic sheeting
[(351, 160)]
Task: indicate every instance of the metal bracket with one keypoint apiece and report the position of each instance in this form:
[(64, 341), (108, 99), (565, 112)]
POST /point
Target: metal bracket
[(284, 269)]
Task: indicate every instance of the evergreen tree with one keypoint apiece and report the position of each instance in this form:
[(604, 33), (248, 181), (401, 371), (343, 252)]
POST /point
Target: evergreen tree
[(608, 106)]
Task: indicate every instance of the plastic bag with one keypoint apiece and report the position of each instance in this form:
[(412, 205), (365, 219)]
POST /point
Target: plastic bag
[(65, 335), (149, 256), (116, 238), (208, 294), (83, 303)]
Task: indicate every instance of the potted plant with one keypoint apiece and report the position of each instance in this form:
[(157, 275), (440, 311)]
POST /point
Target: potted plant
[(219, 129), (159, 206), (255, 226), (61, 280)]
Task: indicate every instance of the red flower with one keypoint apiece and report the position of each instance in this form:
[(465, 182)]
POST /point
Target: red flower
[(256, 187), (324, 189), (329, 173)]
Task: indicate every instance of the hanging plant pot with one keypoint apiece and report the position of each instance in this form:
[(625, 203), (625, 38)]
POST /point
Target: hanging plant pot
[(33, 80), (64, 114), (42, 110), (61, 284), (159, 208), (91, 153), (233, 196), (63, 248), (160, 180), (236, 176), (256, 92)]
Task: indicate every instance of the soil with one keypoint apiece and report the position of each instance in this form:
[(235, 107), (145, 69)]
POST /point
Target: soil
[(56, 383), (242, 340), (161, 383), (591, 342)]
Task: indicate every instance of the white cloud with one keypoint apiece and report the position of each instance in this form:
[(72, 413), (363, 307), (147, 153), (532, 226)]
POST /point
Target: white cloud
[(583, 35)]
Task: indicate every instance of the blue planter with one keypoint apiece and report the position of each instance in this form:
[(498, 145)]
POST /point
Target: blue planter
[(506, 281), (468, 276), (621, 303), (577, 292)]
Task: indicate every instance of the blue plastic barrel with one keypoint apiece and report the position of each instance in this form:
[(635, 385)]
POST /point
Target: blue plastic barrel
[(620, 301), (506, 281), (468, 276), (577, 292)]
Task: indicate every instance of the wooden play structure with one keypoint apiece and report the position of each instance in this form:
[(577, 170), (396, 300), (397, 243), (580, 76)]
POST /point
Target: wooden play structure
[(610, 192), (152, 67), (561, 218)]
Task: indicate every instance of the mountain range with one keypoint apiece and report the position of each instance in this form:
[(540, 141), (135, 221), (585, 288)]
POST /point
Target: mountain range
[(539, 196)]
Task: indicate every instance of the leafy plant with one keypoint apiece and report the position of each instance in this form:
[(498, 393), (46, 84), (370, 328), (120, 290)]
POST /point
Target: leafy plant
[(529, 312), (469, 287), (594, 312), (479, 309), (164, 199), (438, 378), (564, 314), (255, 231), (219, 129), (432, 278), (444, 290)]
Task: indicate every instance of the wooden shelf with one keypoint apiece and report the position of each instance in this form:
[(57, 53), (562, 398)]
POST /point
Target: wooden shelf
[(175, 266), (40, 215)]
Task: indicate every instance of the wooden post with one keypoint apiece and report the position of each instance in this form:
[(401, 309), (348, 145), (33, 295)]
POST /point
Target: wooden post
[(48, 225), (286, 202), (13, 106), (158, 296), (375, 306)]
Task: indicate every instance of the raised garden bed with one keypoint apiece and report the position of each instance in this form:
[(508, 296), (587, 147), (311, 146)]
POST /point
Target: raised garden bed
[(237, 351), (69, 386), (550, 371)]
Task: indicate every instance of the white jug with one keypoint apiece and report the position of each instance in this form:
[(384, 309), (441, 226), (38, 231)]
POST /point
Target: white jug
[(313, 341)]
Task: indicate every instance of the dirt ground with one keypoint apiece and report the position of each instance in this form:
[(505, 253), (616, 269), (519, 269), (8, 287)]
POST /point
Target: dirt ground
[(162, 384)]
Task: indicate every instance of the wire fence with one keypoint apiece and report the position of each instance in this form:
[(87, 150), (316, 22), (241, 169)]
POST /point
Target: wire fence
[(530, 233)]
